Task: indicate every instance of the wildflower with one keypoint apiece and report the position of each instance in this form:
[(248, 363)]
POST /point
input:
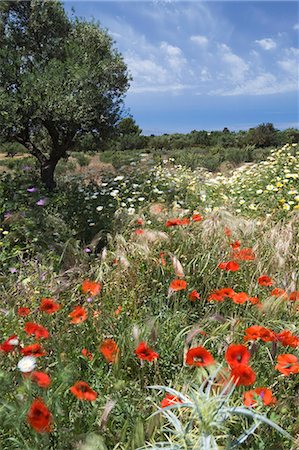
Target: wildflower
[(36, 330), (118, 310), (194, 295), (267, 335), (243, 375), (169, 400), (240, 298), (237, 354), (263, 393), (287, 364), (227, 232), (35, 350), (82, 391), (39, 416), (27, 364), (254, 300), (78, 315), (244, 254), (287, 338), (196, 218), (91, 287), (140, 221), (226, 292), (216, 296), (178, 285), (230, 266), (110, 350), (87, 354), (49, 306), (252, 333), (139, 231), (162, 259), (10, 344), (199, 356), (32, 189), (42, 379), (173, 222), (294, 296), (23, 312), (264, 280), (235, 245), (185, 221), (41, 202), (145, 353)]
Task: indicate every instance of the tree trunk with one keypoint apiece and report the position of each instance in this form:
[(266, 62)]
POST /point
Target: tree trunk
[(47, 174)]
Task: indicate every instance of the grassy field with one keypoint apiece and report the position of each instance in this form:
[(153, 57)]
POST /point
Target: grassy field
[(151, 273)]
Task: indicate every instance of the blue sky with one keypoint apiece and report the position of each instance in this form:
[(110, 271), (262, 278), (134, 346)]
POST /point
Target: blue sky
[(205, 65)]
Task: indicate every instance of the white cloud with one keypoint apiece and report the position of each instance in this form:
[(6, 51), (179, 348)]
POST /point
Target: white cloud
[(296, 26), (174, 57), (234, 64), (200, 40), (266, 43)]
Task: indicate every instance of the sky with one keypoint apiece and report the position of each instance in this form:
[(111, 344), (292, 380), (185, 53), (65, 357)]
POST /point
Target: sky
[(205, 65)]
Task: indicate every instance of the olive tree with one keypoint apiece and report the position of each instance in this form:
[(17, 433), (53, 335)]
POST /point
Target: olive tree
[(60, 79)]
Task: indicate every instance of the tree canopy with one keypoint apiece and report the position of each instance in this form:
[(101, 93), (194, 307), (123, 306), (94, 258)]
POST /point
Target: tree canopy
[(60, 79)]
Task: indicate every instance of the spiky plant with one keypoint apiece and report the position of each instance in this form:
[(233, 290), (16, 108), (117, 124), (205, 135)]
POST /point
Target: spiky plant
[(202, 419)]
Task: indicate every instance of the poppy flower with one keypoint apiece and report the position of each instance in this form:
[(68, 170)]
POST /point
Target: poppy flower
[(10, 344), (244, 254), (118, 310), (216, 296), (42, 379), (36, 330), (243, 375), (109, 350), (287, 364), (267, 335), (264, 393), (39, 416), (264, 280), (145, 353), (254, 300), (222, 265), (294, 296), (237, 354), (35, 350), (194, 295), (23, 312), (162, 259), (177, 285), (91, 287), (230, 266), (252, 333), (227, 231), (278, 292), (82, 391), (49, 306), (139, 231), (196, 218), (199, 356), (226, 292), (87, 354), (185, 221), (169, 400), (235, 245), (240, 298), (173, 222), (140, 221), (287, 338), (78, 315)]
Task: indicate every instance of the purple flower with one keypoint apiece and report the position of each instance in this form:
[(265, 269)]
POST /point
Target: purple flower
[(87, 250), (26, 168), (41, 202), (13, 270), (89, 299), (7, 215), (32, 189)]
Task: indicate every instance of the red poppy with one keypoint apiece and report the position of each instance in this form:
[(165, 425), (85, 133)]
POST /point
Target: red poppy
[(49, 305), (254, 300), (216, 296), (110, 350), (227, 231), (287, 364), (144, 352), (232, 266), (237, 354), (185, 221), (35, 350), (252, 333), (169, 400), (118, 310), (139, 221), (173, 222), (264, 280), (178, 285), (82, 391), (196, 218), (294, 296), (267, 335), (23, 312), (91, 287), (39, 416), (194, 295), (244, 254), (87, 354), (243, 375), (139, 231), (78, 315), (226, 292), (222, 265), (199, 356), (240, 298), (287, 338), (162, 259), (263, 393), (235, 245), (10, 344), (36, 330), (278, 292), (42, 379)]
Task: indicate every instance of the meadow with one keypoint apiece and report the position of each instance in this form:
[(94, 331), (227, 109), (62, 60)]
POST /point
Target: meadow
[(152, 305)]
